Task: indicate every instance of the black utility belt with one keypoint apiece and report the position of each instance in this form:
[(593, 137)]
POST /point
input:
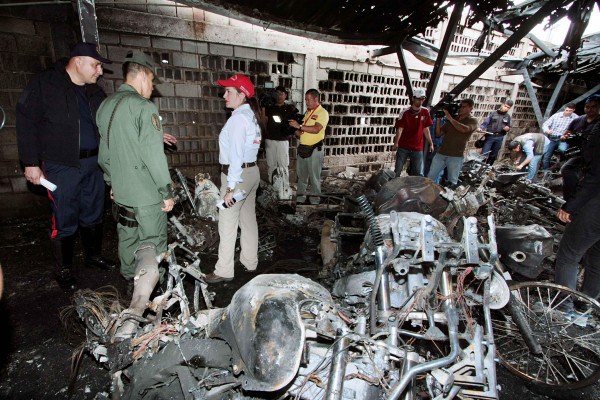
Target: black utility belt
[(225, 167), (124, 217), (497, 134), (88, 153)]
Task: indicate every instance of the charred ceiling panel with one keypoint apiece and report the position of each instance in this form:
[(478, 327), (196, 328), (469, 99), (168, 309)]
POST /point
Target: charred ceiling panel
[(346, 21)]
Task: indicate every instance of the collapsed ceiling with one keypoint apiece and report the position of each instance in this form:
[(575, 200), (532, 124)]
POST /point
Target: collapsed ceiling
[(358, 22)]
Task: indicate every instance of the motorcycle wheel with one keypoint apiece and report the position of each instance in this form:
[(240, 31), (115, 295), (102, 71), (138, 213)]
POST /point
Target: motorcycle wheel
[(570, 340)]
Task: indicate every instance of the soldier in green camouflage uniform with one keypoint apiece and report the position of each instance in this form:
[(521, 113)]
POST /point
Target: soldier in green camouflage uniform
[(133, 160)]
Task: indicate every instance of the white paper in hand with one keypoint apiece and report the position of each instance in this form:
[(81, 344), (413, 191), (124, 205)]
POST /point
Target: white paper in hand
[(47, 184)]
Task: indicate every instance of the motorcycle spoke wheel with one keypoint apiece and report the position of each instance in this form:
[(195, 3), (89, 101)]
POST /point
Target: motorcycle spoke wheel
[(570, 339)]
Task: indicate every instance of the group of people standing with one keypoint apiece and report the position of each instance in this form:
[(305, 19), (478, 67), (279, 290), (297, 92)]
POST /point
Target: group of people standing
[(71, 134), (413, 130)]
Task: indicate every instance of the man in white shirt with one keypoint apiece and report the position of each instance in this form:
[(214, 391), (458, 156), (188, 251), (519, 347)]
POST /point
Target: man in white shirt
[(554, 128)]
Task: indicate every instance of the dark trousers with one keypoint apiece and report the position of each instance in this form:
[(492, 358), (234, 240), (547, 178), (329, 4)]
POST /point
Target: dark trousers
[(78, 198), (581, 240), (492, 146)]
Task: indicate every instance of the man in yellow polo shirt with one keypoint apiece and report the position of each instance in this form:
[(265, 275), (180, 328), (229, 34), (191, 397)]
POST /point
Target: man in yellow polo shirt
[(309, 161)]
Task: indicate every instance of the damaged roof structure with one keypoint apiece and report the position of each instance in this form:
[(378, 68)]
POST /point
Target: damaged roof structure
[(396, 24)]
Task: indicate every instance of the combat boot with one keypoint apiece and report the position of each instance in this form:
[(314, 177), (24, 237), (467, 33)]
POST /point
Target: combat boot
[(91, 239), (62, 250)]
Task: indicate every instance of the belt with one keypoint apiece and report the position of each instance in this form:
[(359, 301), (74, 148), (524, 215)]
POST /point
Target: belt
[(124, 216), (497, 134), (225, 168), (88, 153)]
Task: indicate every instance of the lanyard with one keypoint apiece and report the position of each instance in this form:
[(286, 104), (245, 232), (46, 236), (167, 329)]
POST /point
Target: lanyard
[(310, 115)]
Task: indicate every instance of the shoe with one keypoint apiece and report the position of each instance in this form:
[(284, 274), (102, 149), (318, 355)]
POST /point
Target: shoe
[(214, 278), (65, 279), (300, 199), (314, 200), (100, 262)]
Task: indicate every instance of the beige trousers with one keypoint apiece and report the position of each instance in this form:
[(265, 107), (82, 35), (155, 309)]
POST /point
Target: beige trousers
[(243, 215), (278, 155)]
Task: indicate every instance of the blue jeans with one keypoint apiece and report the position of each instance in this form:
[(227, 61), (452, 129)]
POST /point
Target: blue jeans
[(416, 161), (492, 146), (554, 143), (453, 164), (533, 165)]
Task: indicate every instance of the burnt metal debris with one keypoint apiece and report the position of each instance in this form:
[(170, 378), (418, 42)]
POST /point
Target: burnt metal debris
[(427, 291)]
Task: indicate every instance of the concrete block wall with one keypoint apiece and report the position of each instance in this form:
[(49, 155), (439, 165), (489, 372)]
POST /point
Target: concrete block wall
[(189, 99), (27, 46)]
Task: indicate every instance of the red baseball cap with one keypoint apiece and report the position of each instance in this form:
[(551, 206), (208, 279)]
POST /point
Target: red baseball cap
[(242, 82)]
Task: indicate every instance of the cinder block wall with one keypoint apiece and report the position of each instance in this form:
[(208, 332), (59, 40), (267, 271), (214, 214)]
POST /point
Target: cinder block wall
[(196, 48)]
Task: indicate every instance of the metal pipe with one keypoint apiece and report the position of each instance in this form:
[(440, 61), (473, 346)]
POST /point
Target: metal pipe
[(439, 363), (411, 360), (452, 315), (383, 294), (335, 385)]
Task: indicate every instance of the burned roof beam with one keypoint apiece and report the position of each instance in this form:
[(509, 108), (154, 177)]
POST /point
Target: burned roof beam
[(525, 27), (555, 94), (444, 48), (405, 73)]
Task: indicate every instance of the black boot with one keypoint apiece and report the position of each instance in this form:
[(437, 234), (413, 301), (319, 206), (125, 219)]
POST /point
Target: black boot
[(62, 249), (91, 238)]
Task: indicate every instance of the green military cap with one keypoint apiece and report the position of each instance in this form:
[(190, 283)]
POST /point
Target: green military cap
[(143, 59)]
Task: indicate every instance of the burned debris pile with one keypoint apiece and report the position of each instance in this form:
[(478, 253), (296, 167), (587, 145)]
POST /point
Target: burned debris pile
[(419, 308)]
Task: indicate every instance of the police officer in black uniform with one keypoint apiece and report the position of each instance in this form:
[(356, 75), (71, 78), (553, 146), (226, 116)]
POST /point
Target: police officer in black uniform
[(58, 139)]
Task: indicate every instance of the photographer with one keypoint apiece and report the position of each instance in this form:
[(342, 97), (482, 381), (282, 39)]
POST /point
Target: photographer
[(278, 133), (497, 124), (456, 135), (580, 127), (530, 147)]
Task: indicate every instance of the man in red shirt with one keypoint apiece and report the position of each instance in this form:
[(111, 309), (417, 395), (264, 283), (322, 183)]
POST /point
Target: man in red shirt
[(410, 129)]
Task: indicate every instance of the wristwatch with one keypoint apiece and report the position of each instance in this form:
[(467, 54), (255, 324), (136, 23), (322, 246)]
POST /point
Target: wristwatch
[(228, 190)]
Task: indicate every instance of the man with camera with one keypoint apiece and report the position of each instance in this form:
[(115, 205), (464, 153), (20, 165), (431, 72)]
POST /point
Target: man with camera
[(530, 147), (496, 125), (456, 135), (410, 129), (278, 133), (579, 130), (555, 127)]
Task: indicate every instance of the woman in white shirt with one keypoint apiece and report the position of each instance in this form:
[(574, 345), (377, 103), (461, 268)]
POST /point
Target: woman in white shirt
[(239, 142)]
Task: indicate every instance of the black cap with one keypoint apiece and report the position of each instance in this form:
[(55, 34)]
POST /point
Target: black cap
[(82, 49)]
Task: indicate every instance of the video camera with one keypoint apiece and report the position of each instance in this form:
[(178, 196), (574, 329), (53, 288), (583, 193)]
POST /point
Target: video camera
[(268, 97), (448, 104), (284, 127), (577, 138)]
